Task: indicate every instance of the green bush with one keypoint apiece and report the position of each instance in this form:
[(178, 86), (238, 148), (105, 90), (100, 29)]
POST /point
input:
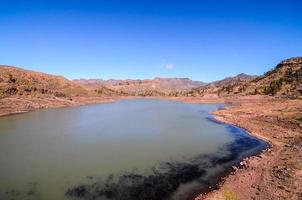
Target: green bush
[(299, 119), (274, 87), (228, 89)]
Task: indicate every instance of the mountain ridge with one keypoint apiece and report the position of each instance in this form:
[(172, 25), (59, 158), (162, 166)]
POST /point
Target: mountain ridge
[(142, 87), (283, 80)]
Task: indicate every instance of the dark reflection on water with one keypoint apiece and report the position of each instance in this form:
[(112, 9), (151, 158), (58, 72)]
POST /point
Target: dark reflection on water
[(134, 149), (168, 176)]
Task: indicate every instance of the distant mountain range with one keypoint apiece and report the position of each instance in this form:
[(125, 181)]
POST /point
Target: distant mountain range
[(284, 80), (147, 87)]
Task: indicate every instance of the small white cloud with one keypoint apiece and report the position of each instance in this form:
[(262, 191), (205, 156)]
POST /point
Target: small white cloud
[(169, 66)]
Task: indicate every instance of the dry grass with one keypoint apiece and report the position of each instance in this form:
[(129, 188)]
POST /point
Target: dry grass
[(229, 195)]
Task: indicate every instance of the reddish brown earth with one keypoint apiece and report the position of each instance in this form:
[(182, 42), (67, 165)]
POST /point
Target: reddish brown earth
[(276, 173), (146, 87), (24, 90), (15, 105)]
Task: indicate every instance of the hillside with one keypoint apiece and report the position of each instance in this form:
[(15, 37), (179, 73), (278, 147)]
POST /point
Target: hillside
[(285, 80), (22, 89), (15, 81), (21, 82), (147, 87), (227, 86)]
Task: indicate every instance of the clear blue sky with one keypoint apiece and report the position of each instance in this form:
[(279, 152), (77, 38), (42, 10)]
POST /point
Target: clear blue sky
[(203, 40)]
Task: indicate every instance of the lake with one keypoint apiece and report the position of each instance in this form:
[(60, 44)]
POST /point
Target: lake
[(130, 149)]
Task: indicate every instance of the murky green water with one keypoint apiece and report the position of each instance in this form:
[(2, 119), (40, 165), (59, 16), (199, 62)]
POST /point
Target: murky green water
[(45, 153)]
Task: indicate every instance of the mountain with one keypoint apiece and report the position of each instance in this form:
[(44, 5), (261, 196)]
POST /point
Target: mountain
[(240, 78), (229, 85), (20, 83), (147, 87), (285, 80), (22, 90)]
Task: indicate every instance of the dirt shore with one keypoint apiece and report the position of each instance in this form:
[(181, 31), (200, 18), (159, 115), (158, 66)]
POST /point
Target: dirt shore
[(16, 105), (275, 174)]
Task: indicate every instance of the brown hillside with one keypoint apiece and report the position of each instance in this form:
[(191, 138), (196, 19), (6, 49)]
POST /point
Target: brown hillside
[(21, 82), (224, 87), (147, 87), (285, 80)]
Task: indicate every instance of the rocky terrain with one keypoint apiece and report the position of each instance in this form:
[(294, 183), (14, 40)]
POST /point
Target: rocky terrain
[(228, 86), (285, 80), (147, 87), (23, 90)]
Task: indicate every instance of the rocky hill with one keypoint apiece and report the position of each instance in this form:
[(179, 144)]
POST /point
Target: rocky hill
[(25, 83), (147, 87), (23, 90), (285, 80), (229, 85), (240, 78)]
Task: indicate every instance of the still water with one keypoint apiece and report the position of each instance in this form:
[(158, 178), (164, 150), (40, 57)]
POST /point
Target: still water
[(130, 149)]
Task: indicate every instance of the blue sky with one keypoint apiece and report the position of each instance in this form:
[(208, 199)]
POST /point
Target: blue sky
[(204, 40)]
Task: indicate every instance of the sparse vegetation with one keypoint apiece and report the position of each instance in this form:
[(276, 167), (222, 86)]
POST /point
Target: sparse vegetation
[(256, 91), (257, 79), (229, 195), (11, 79), (2, 93), (242, 88), (273, 87), (28, 85), (228, 89)]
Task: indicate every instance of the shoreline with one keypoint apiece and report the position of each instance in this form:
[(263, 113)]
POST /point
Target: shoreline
[(255, 176), (29, 105), (258, 136), (204, 193), (275, 173), (58, 103), (240, 164)]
